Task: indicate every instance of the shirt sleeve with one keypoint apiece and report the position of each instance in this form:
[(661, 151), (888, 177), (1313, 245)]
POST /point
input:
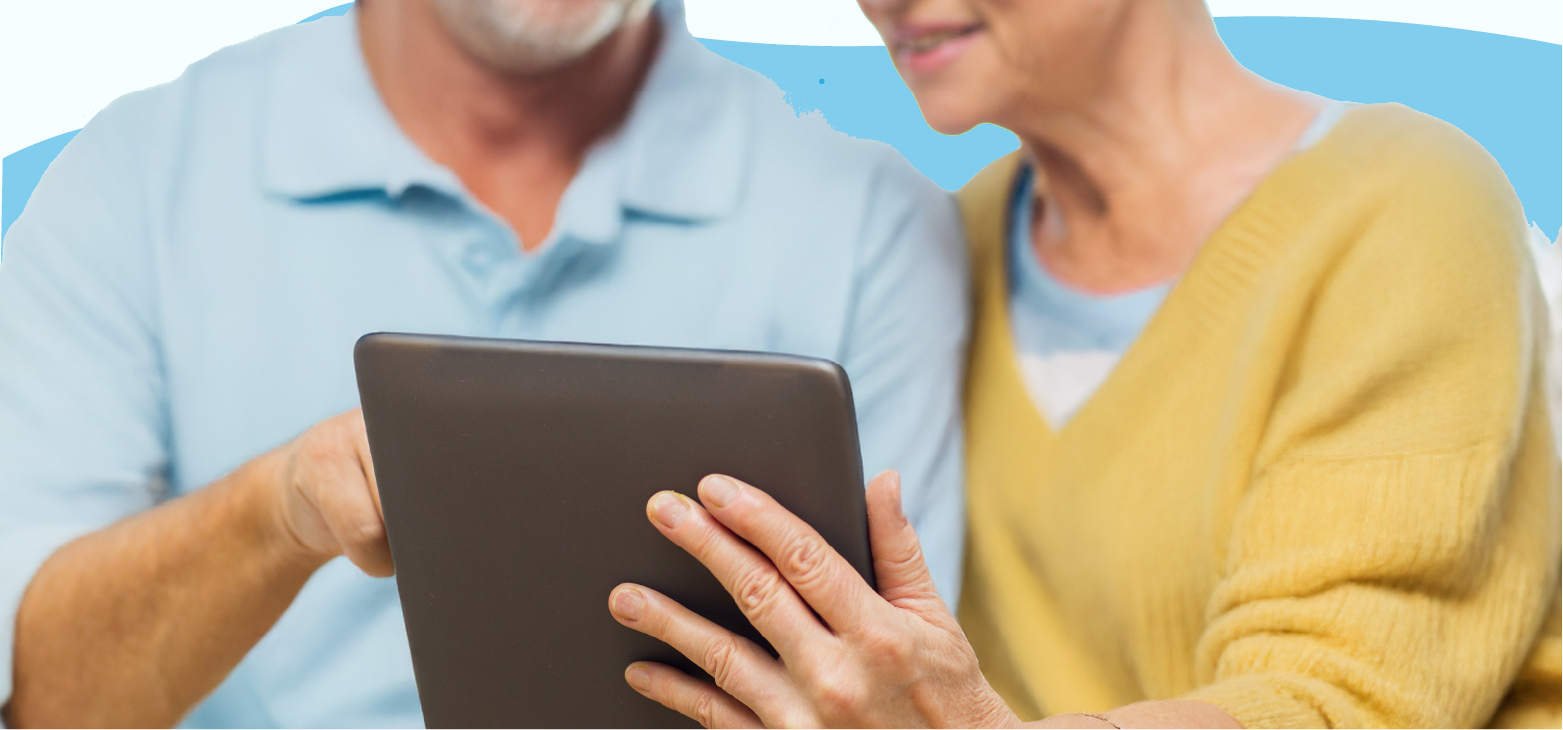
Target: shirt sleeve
[(1395, 556), (905, 352), (81, 423)]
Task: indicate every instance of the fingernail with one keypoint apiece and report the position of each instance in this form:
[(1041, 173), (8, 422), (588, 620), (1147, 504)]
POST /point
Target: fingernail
[(629, 604), (638, 678), (668, 509), (892, 480), (719, 490)]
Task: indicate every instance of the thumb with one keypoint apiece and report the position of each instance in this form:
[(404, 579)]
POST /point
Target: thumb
[(360, 440), (898, 557)]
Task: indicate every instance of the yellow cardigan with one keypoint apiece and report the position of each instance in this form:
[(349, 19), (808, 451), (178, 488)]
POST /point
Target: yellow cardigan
[(1322, 488)]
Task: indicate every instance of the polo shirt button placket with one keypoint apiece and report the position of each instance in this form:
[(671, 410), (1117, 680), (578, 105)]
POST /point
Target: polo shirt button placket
[(485, 265), (479, 260)]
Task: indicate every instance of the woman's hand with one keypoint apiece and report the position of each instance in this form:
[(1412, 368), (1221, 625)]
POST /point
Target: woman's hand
[(895, 658)]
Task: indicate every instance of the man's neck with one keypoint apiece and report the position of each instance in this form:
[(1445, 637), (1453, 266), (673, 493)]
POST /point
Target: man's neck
[(515, 141)]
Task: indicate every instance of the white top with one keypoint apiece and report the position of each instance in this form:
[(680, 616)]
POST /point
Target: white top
[(1068, 341)]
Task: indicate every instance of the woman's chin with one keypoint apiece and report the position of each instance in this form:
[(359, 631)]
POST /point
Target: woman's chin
[(947, 120), (953, 128), (953, 108)]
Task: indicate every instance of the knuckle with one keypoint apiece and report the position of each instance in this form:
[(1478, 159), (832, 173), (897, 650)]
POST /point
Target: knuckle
[(328, 429), (705, 709), (758, 591), (337, 431), (320, 449), (805, 560), (370, 533), (889, 648), (838, 696), (315, 447), (905, 557), (720, 659), (797, 719)]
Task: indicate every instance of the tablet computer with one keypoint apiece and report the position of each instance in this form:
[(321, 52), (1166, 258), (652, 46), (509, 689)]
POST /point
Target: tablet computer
[(514, 477)]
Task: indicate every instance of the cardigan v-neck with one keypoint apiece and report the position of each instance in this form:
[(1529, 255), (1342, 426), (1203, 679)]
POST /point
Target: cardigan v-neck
[(1286, 498)]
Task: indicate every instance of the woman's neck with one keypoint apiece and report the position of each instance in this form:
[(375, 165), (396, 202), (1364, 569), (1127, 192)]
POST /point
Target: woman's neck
[(1141, 170)]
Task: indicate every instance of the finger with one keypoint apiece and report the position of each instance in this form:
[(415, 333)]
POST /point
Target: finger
[(761, 593), (811, 566), (899, 566), (360, 439), (738, 665), (354, 522), (700, 701), (343, 496)]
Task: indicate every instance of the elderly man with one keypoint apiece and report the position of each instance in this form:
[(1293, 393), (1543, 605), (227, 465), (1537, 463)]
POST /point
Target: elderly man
[(183, 292)]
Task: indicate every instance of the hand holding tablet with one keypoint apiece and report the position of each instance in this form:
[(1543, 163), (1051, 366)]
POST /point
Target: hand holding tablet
[(850, 656), (514, 478)]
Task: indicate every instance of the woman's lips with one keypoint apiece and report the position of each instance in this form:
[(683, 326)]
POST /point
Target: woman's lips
[(926, 50)]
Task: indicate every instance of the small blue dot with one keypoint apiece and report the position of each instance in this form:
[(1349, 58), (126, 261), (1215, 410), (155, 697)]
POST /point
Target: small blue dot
[(822, 81)]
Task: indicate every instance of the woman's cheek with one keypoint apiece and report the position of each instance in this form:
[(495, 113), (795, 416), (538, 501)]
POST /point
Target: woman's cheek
[(879, 12)]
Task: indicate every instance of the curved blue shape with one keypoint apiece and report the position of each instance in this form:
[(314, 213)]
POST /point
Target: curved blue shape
[(1505, 92), (21, 172), (338, 10), (859, 92), (22, 169)]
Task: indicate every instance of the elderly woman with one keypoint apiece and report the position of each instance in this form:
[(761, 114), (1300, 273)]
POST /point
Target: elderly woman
[(1256, 419)]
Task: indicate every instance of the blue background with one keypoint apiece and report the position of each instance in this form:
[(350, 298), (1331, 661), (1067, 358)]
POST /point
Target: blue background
[(1505, 92)]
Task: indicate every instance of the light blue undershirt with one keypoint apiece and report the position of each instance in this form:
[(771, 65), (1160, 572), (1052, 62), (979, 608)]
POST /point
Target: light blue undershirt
[(183, 291), (1067, 341)]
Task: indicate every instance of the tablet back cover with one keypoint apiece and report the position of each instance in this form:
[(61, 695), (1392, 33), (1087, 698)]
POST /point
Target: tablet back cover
[(514, 477)]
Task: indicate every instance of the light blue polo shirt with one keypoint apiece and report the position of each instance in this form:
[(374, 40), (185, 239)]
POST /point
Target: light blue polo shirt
[(184, 289)]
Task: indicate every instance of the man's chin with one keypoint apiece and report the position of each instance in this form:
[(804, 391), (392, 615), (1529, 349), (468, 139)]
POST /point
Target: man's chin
[(518, 45), (531, 62)]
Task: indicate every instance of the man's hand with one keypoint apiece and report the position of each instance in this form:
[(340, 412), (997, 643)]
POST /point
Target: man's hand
[(330, 501), (131, 625)]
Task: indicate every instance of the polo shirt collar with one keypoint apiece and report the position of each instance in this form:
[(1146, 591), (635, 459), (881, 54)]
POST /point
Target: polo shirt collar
[(679, 155), (325, 131)]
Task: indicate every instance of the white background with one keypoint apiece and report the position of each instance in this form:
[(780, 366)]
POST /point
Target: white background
[(62, 60)]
